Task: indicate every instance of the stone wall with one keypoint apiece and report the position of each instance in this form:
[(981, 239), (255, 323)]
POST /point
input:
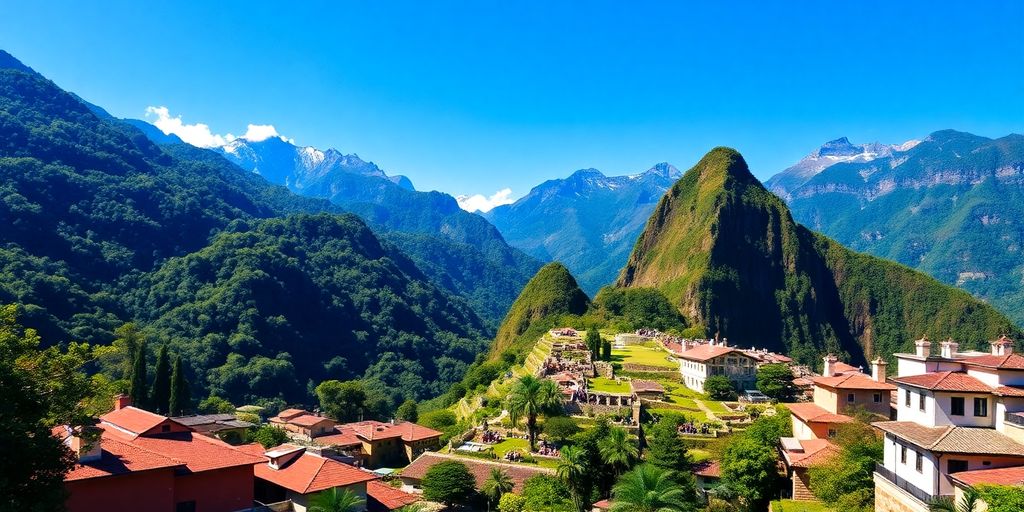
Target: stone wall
[(889, 498)]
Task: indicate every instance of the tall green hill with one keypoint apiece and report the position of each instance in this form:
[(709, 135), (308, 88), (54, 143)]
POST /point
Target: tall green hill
[(727, 253), (550, 294)]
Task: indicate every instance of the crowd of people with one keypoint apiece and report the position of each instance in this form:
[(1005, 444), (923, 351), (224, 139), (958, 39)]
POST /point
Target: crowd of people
[(693, 428), (513, 456), (547, 449), (491, 437)]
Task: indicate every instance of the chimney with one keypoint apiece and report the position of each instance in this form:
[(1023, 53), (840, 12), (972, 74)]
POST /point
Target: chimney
[(923, 347), (878, 369), (1002, 347), (85, 442), (122, 401), (949, 348), (829, 369)]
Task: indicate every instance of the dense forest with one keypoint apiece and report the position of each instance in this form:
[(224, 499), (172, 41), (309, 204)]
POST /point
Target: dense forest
[(262, 292)]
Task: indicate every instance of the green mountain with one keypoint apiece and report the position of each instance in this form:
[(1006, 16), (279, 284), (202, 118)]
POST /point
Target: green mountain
[(551, 294), (729, 255), (101, 227), (951, 206)]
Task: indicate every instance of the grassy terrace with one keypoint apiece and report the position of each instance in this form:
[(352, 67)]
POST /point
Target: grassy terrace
[(607, 385), (798, 506), (639, 354)]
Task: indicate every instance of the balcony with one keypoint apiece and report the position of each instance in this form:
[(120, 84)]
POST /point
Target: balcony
[(915, 491)]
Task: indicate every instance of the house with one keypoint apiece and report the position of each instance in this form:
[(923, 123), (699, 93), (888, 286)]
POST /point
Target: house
[(707, 474), (1009, 477), (799, 455), (841, 389), (136, 460), (716, 358), (958, 414), (375, 444), (647, 389), (290, 475), (382, 497), (413, 474), (303, 423), (601, 506), (222, 426)]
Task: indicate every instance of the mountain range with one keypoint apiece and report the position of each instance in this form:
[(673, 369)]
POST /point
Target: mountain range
[(588, 221), (950, 205)]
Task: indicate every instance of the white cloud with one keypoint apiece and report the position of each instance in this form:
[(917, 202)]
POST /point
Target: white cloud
[(485, 204), (200, 134)]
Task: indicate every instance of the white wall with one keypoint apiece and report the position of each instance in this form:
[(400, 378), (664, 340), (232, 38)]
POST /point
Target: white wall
[(924, 479), (942, 414), (913, 413)]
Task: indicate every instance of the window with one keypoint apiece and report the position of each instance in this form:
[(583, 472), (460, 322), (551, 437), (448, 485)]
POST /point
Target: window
[(831, 433), (185, 506), (877, 398), (920, 404), (903, 454), (956, 406), (919, 462), (906, 394), (850, 397), (956, 466), (981, 406)]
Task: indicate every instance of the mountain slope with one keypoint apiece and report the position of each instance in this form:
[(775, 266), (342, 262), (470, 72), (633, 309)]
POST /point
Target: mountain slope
[(728, 254), (549, 295), (103, 227), (950, 206), (458, 250), (831, 153), (587, 221)]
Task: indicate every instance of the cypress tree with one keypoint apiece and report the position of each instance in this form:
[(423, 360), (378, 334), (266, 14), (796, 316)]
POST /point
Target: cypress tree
[(606, 350), (180, 398), (160, 394), (593, 341), (137, 388)]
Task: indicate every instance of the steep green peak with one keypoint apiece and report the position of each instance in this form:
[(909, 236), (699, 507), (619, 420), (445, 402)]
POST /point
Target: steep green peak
[(8, 61), (551, 294), (722, 164)]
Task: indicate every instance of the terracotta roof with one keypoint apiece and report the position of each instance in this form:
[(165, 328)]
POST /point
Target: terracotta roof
[(389, 497), (603, 504), (708, 469), (196, 451), (706, 352), (350, 433), (812, 452), (675, 348), (946, 381), (811, 413), (291, 413), (118, 458), (308, 420), (1004, 362), (342, 437), (310, 473), (480, 469), (953, 439), (645, 386), (133, 419), (1001, 476), (852, 381), (1008, 391), (841, 367), (412, 432)]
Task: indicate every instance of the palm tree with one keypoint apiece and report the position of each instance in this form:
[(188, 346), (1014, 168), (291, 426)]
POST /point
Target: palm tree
[(335, 500), (969, 502), (572, 466), (531, 397), (415, 507), (497, 484), (618, 449), (648, 488)]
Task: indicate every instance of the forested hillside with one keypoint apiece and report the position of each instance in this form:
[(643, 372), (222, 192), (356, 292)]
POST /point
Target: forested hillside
[(102, 227)]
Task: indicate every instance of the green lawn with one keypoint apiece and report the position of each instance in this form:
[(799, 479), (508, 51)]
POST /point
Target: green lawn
[(509, 445), (638, 354), (798, 506), (698, 455), (695, 416), (607, 385), (718, 407)]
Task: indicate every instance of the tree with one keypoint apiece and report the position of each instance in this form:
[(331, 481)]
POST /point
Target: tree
[(160, 393), (846, 479), (618, 449), (531, 397), (593, 341), (776, 381), (496, 485), (137, 389), (560, 428), (572, 468), (719, 387), (969, 502), (408, 411), (648, 488), (216, 405), (606, 350), (181, 397), (343, 401), (664, 450), (268, 436), (511, 502), (41, 389), (749, 462), (1002, 498), (547, 493), (335, 500), (448, 482)]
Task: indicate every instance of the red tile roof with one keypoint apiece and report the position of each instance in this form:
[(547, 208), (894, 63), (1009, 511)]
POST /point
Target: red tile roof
[(603, 504), (946, 381), (953, 439), (811, 413), (342, 437), (1008, 391), (349, 433), (1004, 362), (853, 381), (310, 473), (133, 420), (118, 458), (480, 469), (706, 352), (412, 432), (708, 469), (388, 496), (815, 451), (196, 451), (841, 367), (308, 420), (1001, 476), (291, 413)]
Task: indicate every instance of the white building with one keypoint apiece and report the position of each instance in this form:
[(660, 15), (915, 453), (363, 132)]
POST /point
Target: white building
[(715, 358), (957, 413)]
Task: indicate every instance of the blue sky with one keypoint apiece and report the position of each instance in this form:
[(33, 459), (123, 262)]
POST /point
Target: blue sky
[(474, 97)]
